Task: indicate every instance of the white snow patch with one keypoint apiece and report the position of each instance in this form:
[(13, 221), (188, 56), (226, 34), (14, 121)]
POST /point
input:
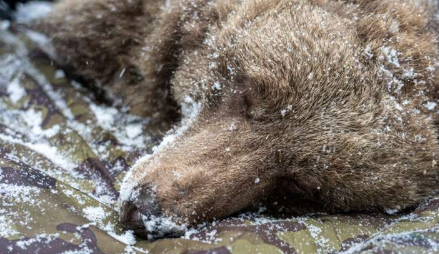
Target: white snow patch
[(368, 51), (392, 210), (430, 105), (122, 73), (127, 237), (5, 24), (49, 133), (6, 226), (161, 226), (32, 10), (39, 38), (41, 238), (33, 120), (380, 240), (394, 27), (168, 3), (46, 150), (104, 115), (283, 112), (124, 127), (95, 214), (190, 110), (391, 55), (232, 126), (216, 85), (133, 130), (176, 174), (20, 194), (59, 74), (15, 90)]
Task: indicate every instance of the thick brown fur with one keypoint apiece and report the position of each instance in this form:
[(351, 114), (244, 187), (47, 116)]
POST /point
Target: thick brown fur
[(307, 105)]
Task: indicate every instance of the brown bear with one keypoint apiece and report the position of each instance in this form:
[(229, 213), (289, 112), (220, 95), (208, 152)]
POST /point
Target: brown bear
[(300, 105)]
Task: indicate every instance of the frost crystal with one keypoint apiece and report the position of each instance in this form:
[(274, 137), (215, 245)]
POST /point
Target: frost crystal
[(216, 85), (15, 91), (430, 105)]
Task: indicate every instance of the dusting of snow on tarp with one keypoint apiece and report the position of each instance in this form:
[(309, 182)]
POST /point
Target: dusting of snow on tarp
[(48, 153)]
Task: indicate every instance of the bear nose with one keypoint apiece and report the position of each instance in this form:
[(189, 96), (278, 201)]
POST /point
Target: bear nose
[(131, 219), (133, 214)]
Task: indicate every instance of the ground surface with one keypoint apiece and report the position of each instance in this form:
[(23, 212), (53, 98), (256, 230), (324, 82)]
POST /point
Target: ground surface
[(63, 156)]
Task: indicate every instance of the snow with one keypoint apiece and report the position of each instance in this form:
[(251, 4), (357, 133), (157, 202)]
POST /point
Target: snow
[(122, 73), (430, 105), (59, 74), (161, 225), (392, 210), (5, 24), (216, 85), (168, 3), (28, 12), (380, 239), (394, 27), (19, 194), (46, 150), (232, 127), (28, 130), (33, 119), (48, 89), (391, 55), (15, 90), (6, 225), (127, 237), (38, 38), (95, 214), (176, 174), (134, 130), (368, 51), (105, 116), (125, 127), (23, 244), (49, 133), (283, 112)]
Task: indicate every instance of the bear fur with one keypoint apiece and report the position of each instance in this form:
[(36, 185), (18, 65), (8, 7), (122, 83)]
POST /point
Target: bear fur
[(303, 106)]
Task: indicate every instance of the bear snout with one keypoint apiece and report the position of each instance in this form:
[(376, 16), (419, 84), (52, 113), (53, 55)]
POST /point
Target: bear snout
[(131, 219), (134, 214)]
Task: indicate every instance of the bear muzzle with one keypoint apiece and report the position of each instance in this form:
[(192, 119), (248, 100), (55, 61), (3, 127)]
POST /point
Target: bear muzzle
[(134, 214)]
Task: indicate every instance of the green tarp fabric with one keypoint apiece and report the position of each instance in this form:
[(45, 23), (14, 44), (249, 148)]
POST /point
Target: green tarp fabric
[(63, 157)]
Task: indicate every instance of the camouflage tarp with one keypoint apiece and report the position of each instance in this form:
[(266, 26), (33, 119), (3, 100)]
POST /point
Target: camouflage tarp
[(63, 156)]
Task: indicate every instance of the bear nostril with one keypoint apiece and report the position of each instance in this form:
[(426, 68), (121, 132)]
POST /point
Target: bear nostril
[(131, 218), (130, 214)]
